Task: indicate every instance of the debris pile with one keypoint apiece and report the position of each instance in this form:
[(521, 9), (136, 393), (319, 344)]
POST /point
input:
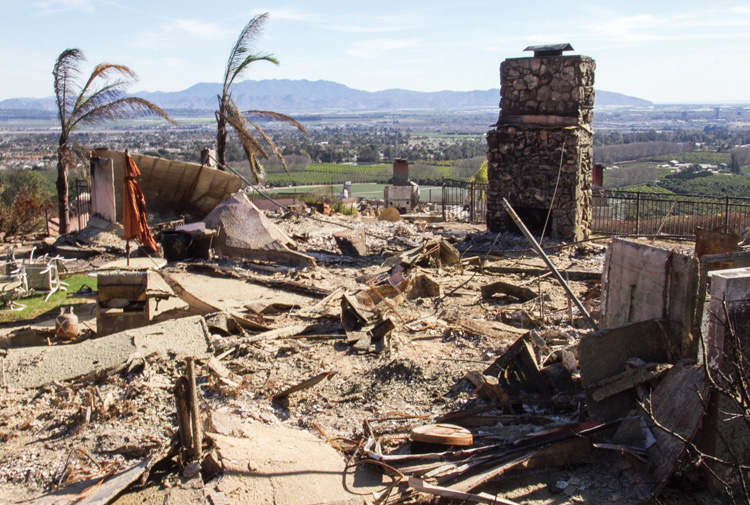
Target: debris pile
[(395, 362)]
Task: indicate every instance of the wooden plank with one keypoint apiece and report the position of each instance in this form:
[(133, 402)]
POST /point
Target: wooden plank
[(678, 405), (628, 379), (306, 384), (422, 487), (521, 293)]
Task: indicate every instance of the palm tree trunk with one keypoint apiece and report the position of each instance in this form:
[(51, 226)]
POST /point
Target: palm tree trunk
[(221, 138), (62, 196)]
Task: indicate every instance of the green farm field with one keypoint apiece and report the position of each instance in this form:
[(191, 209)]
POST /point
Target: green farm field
[(370, 191)]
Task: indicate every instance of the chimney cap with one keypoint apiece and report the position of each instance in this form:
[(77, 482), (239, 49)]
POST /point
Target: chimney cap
[(549, 49)]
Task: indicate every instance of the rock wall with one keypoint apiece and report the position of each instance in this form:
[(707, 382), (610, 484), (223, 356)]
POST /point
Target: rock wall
[(543, 130), (554, 85)]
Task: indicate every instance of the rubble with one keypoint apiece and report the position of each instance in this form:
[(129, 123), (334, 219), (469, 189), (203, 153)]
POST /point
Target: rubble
[(245, 232), (443, 364)]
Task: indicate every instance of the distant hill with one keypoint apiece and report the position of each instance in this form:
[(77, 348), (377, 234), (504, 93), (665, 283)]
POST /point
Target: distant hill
[(304, 95), (608, 98)]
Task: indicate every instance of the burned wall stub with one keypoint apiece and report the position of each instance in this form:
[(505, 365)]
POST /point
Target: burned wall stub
[(544, 128)]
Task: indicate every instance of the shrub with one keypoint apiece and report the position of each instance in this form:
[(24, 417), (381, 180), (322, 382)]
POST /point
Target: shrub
[(24, 197)]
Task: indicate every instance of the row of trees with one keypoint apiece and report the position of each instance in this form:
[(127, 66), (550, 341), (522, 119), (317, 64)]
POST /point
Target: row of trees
[(615, 153), (101, 97), (719, 137)]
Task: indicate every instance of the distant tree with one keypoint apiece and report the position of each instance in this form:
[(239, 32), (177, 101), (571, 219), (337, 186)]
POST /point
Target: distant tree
[(735, 165), (229, 114), (740, 158), (100, 99), (368, 154)]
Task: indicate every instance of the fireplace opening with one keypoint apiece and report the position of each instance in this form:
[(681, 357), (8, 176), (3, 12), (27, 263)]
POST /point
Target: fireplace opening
[(532, 218)]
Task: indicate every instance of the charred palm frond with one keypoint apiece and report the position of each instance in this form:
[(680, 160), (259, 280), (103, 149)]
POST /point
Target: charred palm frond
[(250, 144), (277, 117), (100, 99), (241, 56), (242, 53), (66, 73)]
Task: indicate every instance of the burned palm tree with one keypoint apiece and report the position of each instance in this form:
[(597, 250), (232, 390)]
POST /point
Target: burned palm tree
[(100, 99), (240, 58)]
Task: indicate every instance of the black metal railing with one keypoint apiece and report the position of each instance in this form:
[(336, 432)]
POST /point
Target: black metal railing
[(621, 212), (638, 213), (464, 201)]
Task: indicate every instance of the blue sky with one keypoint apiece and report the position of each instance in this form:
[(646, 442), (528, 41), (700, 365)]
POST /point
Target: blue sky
[(666, 51)]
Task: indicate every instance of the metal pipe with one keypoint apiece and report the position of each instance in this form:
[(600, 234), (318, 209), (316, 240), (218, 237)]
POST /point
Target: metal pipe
[(535, 245)]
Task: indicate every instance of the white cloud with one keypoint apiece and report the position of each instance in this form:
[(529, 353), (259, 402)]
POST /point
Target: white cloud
[(356, 23), (376, 24), (290, 15), (378, 48), (57, 6), (173, 33), (652, 28), (195, 28)]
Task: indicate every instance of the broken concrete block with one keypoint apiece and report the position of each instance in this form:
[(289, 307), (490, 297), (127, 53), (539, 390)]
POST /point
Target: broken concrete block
[(678, 404), (303, 469), (245, 232), (642, 282), (122, 301), (725, 420), (351, 242), (487, 387), (421, 286)]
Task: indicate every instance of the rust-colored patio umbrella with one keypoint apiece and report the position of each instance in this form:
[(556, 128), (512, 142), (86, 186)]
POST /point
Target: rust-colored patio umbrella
[(134, 208)]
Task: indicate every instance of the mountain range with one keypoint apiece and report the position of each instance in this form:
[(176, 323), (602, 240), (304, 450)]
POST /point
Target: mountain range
[(310, 96)]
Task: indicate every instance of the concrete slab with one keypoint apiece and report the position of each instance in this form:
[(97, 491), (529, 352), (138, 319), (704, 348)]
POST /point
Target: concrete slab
[(233, 295), (276, 464), (32, 367)]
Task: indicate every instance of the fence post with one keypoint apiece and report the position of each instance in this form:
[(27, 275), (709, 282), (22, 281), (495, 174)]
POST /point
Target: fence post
[(443, 199), (78, 202), (638, 213), (726, 215), (471, 202)]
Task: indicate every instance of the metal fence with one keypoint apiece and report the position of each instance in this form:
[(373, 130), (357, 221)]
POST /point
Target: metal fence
[(636, 213), (464, 201), (81, 211), (621, 212)]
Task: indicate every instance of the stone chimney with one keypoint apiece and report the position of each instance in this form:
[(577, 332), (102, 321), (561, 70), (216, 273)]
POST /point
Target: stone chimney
[(400, 172), (541, 151)]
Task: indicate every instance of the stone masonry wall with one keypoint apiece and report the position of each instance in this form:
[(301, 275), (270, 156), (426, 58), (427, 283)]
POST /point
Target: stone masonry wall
[(546, 104), (555, 85)]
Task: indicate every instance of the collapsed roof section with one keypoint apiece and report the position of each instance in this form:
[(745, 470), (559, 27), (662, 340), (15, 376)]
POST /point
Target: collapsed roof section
[(172, 187)]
